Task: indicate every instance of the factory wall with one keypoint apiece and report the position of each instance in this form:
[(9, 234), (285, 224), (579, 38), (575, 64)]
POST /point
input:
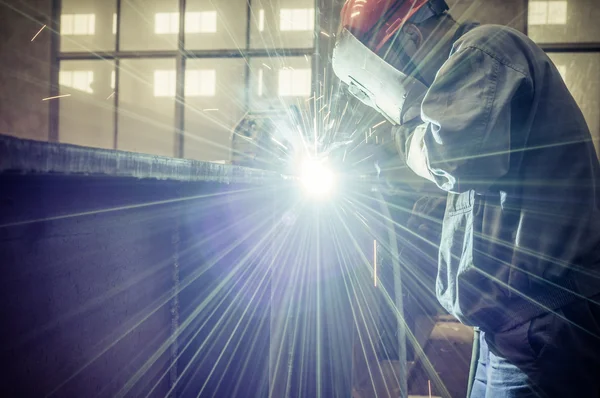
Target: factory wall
[(24, 69)]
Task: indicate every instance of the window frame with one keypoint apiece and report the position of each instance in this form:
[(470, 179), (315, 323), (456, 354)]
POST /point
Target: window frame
[(181, 54), (564, 48)]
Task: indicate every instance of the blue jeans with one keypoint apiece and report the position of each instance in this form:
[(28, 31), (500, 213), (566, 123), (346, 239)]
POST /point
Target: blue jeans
[(554, 355)]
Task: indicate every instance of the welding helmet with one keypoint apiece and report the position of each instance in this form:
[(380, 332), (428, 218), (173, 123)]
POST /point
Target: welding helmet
[(367, 29)]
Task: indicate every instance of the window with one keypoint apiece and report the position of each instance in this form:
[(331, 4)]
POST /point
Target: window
[(261, 20), (547, 12), (86, 118), (164, 83), (125, 68), (200, 83), (294, 82), (195, 22), (78, 79), (260, 82), (166, 23), (77, 24), (297, 19), (201, 22)]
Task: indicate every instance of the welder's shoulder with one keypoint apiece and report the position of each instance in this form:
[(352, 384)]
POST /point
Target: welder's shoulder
[(505, 44)]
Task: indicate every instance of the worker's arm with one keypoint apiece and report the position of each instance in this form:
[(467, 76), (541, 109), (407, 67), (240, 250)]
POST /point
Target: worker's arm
[(463, 139)]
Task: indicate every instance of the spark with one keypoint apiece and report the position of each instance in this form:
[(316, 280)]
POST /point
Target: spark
[(429, 384), (267, 66), (56, 96), (277, 142), (354, 14), (324, 106), (375, 265), (379, 124), (110, 96), (210, 109), (325, 33), (39, 31)]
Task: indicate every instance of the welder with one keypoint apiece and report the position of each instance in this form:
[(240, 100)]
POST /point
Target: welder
[(482, 112)]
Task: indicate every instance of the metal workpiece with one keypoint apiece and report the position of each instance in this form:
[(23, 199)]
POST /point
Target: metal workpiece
[(26, 156), (108, 259)]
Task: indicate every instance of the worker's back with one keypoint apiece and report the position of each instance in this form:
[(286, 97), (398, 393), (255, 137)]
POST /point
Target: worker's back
[(531, 242)]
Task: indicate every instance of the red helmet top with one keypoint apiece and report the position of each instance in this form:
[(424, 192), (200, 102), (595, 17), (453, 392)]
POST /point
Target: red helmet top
[(374, 22)]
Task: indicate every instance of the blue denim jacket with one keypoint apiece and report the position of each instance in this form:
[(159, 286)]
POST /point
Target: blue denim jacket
[(503, 135)]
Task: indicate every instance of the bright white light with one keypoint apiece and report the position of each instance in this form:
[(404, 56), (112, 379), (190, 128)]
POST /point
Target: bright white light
[(201, 22), (261, 20), (200, 83), (294, 82), (547, 13), (79, 79), (166, 23), (296, 19), (317, 179), (164, 83), (77, 24)]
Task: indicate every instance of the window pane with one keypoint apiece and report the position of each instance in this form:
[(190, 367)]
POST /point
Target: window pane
[(215, 25), (300, 19), (282, 24), (147, 106), (277, 83), (538, 12), (511, 13), (580, 72), (87, 25), (214, 101), (200, 82), (87, 114), (261, 20), (562, 21), (294, 82), (164, 83), (149, 25)]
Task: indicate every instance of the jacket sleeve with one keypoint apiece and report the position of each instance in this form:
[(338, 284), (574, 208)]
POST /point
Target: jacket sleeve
[(464, 139)]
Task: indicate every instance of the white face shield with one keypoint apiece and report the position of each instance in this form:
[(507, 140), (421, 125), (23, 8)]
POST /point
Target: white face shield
[(372, 80)]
